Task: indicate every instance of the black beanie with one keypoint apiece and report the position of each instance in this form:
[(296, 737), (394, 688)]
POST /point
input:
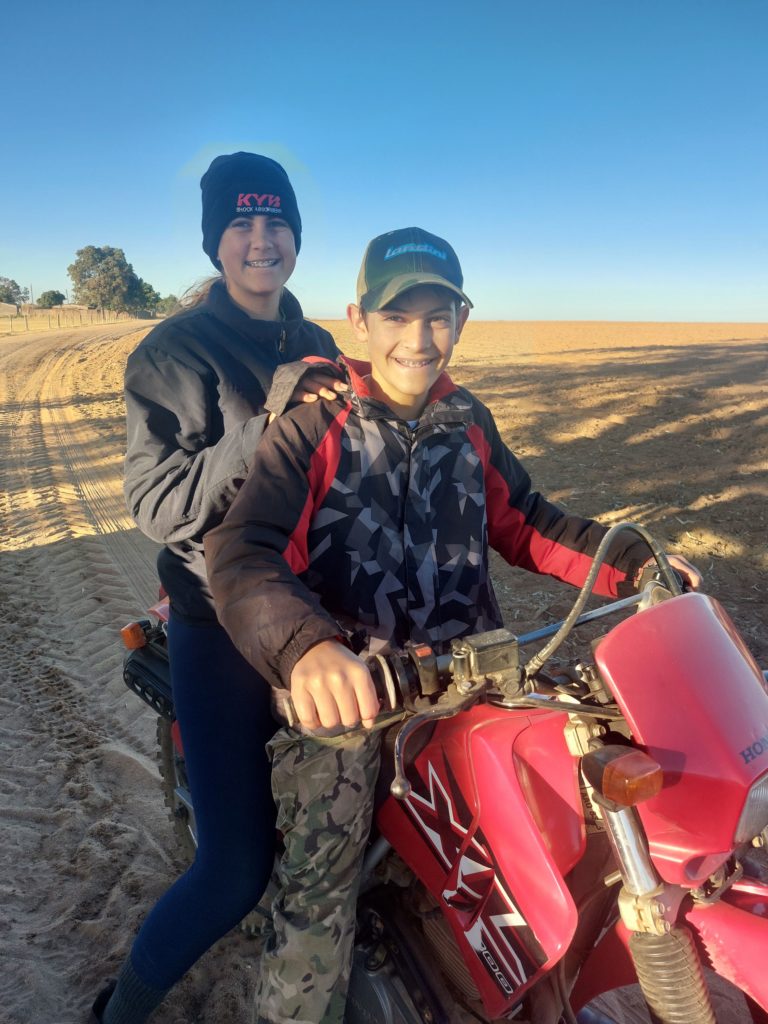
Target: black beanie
[(245, 185)]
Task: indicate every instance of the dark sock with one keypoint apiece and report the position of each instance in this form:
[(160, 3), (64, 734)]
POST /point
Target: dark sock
[(133, 1000)]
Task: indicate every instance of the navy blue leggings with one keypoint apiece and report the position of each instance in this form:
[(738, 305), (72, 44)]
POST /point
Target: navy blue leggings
[(222, 706)]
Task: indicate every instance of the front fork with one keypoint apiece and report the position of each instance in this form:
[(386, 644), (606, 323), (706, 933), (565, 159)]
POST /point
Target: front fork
[(666, 959)]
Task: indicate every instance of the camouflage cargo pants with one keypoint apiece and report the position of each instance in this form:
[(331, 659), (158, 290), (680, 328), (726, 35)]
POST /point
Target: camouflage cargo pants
[(324, 794)]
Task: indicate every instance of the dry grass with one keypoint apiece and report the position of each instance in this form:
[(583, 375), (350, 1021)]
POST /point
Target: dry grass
[(58, 319), (498, 341)]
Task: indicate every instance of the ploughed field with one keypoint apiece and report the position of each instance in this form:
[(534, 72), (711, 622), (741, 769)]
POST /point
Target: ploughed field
[(662, 424)]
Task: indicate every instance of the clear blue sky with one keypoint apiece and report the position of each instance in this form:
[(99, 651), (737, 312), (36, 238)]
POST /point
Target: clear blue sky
[(588, 159)]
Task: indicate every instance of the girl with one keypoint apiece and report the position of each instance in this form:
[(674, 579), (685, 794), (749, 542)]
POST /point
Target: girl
[(195, 390)]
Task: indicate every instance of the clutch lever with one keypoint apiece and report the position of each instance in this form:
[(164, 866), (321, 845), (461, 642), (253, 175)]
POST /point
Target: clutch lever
[(457, 698)]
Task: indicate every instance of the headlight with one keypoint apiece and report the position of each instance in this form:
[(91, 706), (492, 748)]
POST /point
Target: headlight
[(754, 817)]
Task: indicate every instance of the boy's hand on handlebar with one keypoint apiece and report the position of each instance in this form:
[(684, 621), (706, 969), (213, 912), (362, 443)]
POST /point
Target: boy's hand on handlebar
[(692, 578), (331, 686)]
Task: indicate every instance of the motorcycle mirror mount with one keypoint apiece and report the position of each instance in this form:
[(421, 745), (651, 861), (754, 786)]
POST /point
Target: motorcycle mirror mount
[(622, 775)]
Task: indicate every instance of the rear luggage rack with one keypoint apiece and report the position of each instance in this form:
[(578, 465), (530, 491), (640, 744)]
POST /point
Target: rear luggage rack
[(146, 672)]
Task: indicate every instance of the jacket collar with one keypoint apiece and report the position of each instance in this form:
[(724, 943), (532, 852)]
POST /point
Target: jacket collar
[(445, 401), (219, 304)]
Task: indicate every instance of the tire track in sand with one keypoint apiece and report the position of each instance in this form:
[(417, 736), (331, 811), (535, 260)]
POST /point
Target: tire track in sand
[(82, 828), (63, 500)]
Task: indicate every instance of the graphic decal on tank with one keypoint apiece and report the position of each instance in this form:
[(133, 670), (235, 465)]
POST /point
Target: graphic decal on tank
[(491, 921)]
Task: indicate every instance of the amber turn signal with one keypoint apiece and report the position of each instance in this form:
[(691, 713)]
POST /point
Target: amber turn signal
[(133, 636), (622, 775), (631, 779)]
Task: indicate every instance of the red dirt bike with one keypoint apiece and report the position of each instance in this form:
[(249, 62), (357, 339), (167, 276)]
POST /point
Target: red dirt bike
[(552, 830)]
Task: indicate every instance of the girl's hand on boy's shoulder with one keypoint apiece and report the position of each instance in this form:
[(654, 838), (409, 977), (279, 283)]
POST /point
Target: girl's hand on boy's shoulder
[(331, 686), (314, 386), (319, 385)]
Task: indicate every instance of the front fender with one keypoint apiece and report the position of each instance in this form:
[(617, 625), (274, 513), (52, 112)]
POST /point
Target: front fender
[(733, 935)]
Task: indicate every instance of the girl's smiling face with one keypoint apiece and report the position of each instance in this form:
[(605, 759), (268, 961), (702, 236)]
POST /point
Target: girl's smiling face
[(257, 255)]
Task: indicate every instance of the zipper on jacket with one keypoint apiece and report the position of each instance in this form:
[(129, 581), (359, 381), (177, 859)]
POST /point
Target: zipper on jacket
[(281, 343)]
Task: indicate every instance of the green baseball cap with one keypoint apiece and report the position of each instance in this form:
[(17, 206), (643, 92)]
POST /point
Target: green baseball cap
[(400, 260)]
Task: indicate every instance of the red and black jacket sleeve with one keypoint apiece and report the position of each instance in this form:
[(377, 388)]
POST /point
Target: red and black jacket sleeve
[(255, 557), (533, 533)]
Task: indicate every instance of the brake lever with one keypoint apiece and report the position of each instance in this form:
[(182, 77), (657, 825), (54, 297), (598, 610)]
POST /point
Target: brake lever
[(450, 704)]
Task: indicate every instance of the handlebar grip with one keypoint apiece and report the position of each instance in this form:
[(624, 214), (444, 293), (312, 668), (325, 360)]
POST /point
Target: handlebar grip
[(652, 574), (389, 678)]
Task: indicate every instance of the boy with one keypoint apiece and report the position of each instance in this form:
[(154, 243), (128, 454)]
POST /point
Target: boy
[(375, 515)]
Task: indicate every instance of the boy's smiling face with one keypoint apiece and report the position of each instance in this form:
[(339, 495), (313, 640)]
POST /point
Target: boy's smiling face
[(410, 342)]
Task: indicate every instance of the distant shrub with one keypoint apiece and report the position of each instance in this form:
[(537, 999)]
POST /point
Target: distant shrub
[(50, 299)]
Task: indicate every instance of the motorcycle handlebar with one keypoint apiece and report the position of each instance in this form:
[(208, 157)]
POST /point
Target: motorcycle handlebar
[(416, 678), (415, 681), (426, 686), (402, 677), (405, 675)]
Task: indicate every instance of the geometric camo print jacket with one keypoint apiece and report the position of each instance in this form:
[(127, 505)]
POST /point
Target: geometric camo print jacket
[(351, 517)]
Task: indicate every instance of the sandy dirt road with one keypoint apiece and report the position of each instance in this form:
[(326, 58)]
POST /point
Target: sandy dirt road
[(666, 424), (84, 841)]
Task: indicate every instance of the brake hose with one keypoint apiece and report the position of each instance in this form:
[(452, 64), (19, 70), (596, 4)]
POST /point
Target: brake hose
[(662, 561)]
